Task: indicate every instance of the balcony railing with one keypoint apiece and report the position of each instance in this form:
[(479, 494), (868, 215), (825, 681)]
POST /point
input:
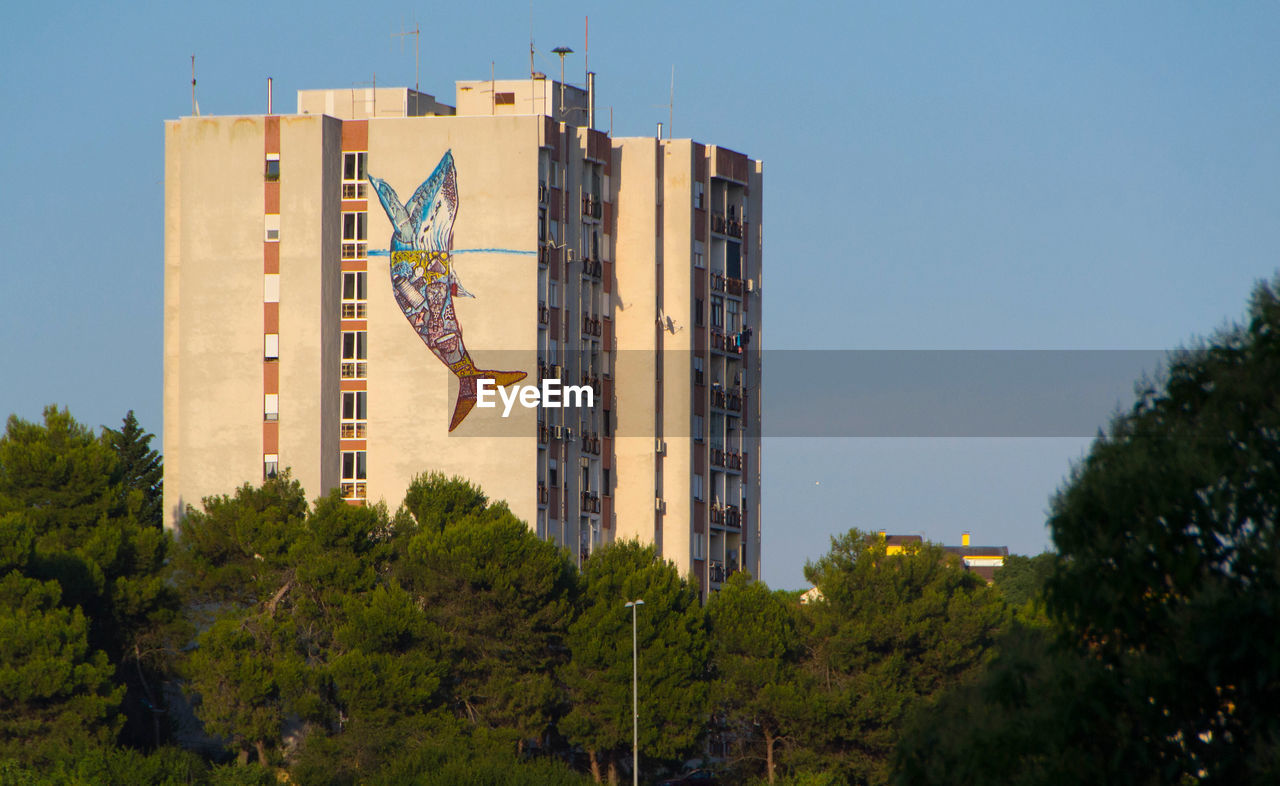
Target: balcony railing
[(355, 249), (591, 442), (354, 489), (730, 344), (727, 284), (592, 326), (544, 314), (355, 429), (590, 502), (544, 496), (354, 190), (592, 207), (592, 268), (728, 459), (726, 400)]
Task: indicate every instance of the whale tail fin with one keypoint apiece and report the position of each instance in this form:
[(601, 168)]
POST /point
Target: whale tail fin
[(467, 391)]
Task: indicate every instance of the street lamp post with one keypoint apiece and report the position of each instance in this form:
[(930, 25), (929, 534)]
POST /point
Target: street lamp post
[(635, 701)]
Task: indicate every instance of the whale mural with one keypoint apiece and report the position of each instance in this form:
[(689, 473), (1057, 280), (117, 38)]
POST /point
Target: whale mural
[(424, 280)]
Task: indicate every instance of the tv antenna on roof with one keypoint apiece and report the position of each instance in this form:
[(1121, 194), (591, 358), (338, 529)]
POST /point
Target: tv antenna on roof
[(417, 37)]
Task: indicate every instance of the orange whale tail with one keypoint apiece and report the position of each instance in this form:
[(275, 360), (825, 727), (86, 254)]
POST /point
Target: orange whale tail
[(467, 391)]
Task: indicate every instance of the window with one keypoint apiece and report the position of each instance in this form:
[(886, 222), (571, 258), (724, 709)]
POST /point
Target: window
[(542, 225), (607, 426), (354, 414), (355, 228), (585, 465), (273, 227), (553, 475), (605, 488), (271, 346), (699, 254), (354, 354), (698, 377), (699, 316), (272, 173), (271, 288), (732, 323), (553, 293), (697, 487), (552, 347), (699, 195), (504, 99), (353, 175), (699, 548), (717, 312), (354, 295), (271, 406), (354, 475), (270, 465), (697, 428)]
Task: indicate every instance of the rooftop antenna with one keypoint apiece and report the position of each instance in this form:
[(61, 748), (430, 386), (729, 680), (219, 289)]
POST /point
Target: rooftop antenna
[(671, 103), (562, 51), (417, 37), (195, 105)]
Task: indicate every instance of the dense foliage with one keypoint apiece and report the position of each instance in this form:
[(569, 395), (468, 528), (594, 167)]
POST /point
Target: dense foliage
[(275, 636), (1160, 665)]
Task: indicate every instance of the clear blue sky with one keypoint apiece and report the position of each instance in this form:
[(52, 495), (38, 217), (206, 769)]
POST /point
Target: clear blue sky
[(938, 176)]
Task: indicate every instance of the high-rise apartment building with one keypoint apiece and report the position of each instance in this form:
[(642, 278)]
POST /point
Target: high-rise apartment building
[(346, 286)]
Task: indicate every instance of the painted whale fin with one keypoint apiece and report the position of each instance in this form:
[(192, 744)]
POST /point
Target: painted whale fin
[(395, 211), (434, 206), (467, 401)]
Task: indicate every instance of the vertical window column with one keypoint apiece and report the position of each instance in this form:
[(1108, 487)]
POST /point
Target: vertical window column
[(352, 313), (271, 298)]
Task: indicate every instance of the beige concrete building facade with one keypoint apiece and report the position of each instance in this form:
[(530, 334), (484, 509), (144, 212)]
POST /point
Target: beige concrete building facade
[(340, 282)]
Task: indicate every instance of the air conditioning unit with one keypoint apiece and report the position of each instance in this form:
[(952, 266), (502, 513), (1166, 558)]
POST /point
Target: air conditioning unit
[(555, 370), (751, 285), (557, 432), (659, 505), (568, 433), (660, 447)]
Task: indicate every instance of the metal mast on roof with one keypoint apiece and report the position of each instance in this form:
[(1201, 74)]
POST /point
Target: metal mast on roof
[(562, 51), (417, 36)]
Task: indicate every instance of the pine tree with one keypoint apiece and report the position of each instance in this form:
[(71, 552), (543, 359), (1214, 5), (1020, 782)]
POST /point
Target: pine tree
[(142, 470)]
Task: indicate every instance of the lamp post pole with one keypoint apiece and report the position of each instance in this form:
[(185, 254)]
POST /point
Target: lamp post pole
[(635, 693)]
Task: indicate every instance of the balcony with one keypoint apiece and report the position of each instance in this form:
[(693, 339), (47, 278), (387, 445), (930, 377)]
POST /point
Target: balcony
[(590, 502), (720, 572), (544, 433), (543, 193), (354, 309), (354, 190), (592, 207), (729, 344), (544, 496), (726, 459), (544, 314), (355, 249), (593, 382), (591, 443), (592, 269), (727, 284), (592, 326), (726, 400), (354, 490)]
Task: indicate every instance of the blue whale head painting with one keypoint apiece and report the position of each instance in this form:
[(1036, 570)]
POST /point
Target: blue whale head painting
[(424, 281)]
